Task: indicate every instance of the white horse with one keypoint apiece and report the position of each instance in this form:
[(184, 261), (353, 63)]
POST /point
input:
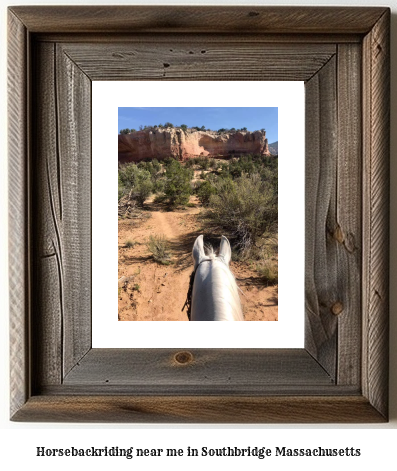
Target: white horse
[(215, 293)]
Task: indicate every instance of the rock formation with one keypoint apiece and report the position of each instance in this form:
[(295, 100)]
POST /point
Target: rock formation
[(175, 142), (273, 148)]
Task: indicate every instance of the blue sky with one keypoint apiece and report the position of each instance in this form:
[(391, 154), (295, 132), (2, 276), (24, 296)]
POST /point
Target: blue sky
[(213, 118)]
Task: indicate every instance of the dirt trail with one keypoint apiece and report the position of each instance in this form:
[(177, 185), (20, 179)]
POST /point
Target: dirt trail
[(149, 291)]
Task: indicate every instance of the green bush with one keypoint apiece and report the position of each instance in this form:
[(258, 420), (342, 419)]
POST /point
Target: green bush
[(121, 188), (177, 183), (126, 131), (205, 191), (156, 165), (204, 163), (213, 163), (189, 163), (136, 181), (159, 186), (245, 208)]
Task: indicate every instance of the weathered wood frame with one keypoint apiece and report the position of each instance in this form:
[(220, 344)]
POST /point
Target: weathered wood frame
[(343, 56)]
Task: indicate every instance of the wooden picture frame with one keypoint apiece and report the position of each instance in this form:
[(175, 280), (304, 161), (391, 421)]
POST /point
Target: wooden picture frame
[(342, 54)]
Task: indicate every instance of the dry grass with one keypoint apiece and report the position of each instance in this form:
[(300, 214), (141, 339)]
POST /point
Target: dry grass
[(268, 271), (159, 247)]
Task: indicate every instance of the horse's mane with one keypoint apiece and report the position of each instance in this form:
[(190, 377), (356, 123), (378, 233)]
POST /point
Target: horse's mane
[(209, 251), (211, 254)]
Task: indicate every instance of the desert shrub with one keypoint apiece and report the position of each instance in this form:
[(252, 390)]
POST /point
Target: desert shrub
[(189, 163), (266, 167), (213, 163), (156, 165), (245, 208), (158, 246), (204, 163), (136, 181), (205, 191), (242, 165), (143, 190), (211, 177), (126, 131), (266, 248), (159, 186), (144, 165), (168, 161), (268, 271), (223, 170), (161, 198), (177, 183), (153, 167), (121, 188)]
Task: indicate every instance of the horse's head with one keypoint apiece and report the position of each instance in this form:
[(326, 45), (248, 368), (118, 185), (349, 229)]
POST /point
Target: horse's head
[(213, 288), (225, 251)]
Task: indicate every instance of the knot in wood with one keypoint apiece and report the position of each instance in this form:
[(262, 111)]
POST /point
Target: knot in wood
[(183, 358), (338, 235), (337, 308)]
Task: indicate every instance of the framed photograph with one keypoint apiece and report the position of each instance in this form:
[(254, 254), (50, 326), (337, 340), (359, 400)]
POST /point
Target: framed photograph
[(254, 213), (58, 58)]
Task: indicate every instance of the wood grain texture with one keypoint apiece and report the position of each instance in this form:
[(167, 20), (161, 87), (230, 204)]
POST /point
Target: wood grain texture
[(321, 258), (249, 370), (376, 92), (73, 107), (62, 205), (196, 19), (330, 38), (47, 322), (18, 212), (206, 60), (198, 409), (347, 228), (339, 377)]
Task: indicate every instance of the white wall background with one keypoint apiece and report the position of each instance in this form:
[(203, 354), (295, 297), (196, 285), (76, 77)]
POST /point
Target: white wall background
[(19, 441)]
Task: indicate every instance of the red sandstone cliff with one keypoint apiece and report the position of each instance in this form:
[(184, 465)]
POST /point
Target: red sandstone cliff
[(174, 142)]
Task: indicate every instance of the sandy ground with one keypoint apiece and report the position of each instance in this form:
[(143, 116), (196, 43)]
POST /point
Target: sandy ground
[(149, 291)]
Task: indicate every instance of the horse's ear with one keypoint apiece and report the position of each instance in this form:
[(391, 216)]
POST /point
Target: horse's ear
[(198, 250), (225, 250)]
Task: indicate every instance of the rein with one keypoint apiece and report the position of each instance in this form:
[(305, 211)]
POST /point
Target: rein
[(188, 301)]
